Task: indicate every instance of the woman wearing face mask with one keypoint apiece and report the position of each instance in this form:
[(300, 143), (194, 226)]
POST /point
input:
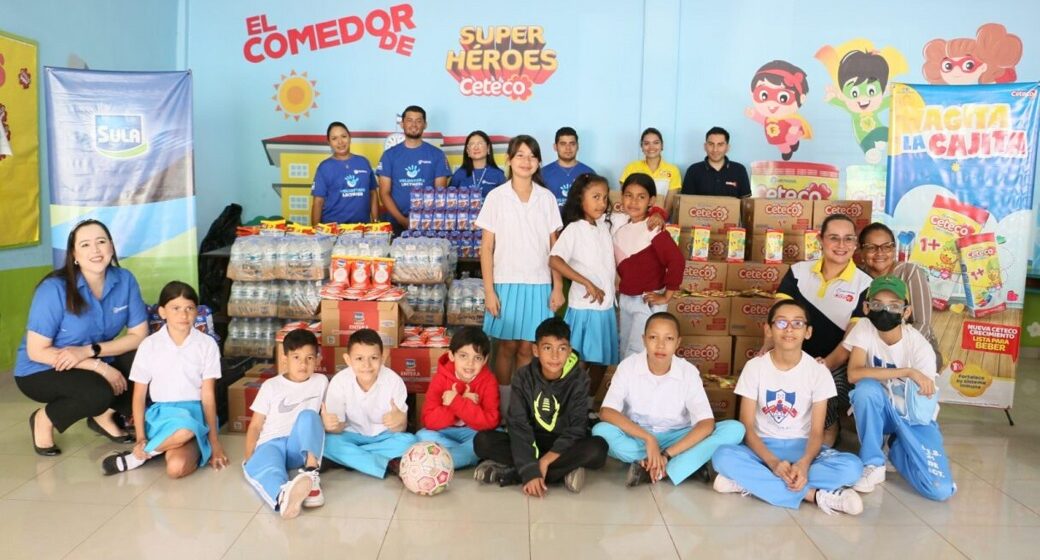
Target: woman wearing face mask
[(877, 247), (832, 289), (72, 358), (893, 368)]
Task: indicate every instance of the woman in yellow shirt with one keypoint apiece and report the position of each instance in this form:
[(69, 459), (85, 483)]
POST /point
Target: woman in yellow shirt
[(665, 175)]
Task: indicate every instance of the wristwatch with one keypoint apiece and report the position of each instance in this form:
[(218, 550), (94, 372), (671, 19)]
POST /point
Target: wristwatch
[(666, 455), (96, 349)]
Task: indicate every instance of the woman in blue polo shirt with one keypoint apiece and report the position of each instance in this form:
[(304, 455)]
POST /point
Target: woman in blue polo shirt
[(71, 358)]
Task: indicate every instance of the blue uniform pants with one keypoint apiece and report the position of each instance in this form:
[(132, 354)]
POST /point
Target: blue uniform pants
[(367, 454), (628, 449), (457, 440), (915, 451), (267, 470), (829, 471)]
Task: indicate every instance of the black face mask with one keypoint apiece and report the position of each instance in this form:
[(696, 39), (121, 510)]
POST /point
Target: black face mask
[(885, 321)]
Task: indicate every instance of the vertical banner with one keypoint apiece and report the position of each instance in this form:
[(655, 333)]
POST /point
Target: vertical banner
[(960, 185), (20, 142), (120, 151)]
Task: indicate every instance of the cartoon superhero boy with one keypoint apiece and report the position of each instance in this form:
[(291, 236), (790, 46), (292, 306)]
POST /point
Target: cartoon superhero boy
[(778, 89), (861, 77)]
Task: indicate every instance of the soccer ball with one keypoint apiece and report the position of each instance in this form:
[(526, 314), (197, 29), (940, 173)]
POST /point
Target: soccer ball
[(427, 468)]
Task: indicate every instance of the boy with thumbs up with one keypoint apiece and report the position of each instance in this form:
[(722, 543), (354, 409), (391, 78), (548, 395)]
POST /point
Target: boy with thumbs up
[(365, 412), (463, 397)]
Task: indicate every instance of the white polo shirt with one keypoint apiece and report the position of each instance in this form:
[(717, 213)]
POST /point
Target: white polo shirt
[(281, 400), (175, 373), (658, 403), (589, 250), (784, 399), (522, 233), (363, 410)]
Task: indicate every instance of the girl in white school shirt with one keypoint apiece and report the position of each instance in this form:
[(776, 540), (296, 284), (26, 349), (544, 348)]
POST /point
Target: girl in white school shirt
[(179, 367)]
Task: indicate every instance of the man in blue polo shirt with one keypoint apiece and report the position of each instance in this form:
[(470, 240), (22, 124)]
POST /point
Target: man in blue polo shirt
[(413, 164), (717, 175), (559, 174)]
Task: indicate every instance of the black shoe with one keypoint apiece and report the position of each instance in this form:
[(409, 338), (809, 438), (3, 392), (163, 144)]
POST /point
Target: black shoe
[(394, 466), (705, 474), (637, 475), (491, 472), (119, 438), (44, 451), (115, 463)]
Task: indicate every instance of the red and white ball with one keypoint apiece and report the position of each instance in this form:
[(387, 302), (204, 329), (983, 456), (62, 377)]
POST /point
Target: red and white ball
[(427, 468)]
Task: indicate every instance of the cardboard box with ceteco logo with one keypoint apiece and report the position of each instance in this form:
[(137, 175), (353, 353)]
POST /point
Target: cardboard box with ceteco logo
[(791, 216), (701, 315), (755, 276), (715, 212), (711, 354)]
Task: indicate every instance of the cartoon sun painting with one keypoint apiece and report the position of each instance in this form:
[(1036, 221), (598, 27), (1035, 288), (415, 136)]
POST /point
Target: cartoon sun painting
[(295, 95), (861, 75)]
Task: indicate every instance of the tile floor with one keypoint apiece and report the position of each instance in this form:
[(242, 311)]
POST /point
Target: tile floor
[(64, 508)]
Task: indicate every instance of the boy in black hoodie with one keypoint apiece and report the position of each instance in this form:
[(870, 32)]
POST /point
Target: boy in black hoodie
[(548, 439)]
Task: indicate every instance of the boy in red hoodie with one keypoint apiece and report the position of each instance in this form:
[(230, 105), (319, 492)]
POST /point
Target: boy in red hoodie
[(463, 397)]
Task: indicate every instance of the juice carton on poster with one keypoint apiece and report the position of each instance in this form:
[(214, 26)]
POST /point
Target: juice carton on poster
[(935, 248), (980, 271)]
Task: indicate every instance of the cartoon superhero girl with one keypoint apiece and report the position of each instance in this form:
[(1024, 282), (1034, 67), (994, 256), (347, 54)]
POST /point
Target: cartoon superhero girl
[(778, 89), (861, 76), (989, 58)]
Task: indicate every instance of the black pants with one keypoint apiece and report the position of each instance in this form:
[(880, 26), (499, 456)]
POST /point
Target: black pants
[(590, 452), (838, 405), (75, 394)]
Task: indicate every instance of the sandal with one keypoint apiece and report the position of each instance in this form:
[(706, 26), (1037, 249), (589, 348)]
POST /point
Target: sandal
[(120, 438)]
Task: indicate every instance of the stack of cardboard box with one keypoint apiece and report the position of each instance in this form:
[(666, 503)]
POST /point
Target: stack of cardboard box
[(723, 306)]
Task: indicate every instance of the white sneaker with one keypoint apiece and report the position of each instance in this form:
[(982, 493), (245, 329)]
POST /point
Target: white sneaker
[(872, 476), (724, 485), (293, 493), (844, 500), (316, 498)]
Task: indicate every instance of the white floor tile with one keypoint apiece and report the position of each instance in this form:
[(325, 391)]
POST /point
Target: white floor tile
[(458, 540), (743, 542), (873, 542), (309, 537), (600, 542), (48, 530), (1005, 543)]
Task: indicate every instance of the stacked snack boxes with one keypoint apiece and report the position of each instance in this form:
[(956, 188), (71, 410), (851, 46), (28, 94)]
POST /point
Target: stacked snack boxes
[(725, 298)]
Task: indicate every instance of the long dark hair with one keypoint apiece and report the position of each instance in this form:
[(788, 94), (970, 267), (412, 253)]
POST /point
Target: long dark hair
[(572, 210), (532, 144), (69, 272), (467, 162)]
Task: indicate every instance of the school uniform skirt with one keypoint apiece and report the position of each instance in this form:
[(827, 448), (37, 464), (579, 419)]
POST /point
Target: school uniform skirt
[(522, 307), (594, 334), (162, 419)]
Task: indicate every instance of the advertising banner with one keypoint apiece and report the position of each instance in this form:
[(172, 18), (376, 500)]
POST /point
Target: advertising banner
[(960, 183), (125, 160), (19, 142)]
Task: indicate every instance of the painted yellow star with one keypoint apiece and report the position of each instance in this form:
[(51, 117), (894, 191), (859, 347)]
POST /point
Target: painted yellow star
[(956, 167)]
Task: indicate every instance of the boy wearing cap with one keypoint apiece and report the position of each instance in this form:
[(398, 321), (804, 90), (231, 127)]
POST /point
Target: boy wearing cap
[(893, 368)]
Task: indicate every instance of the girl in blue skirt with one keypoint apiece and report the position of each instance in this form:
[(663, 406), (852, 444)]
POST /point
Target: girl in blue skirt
[(179, 367), (519, 220), (584, 254)]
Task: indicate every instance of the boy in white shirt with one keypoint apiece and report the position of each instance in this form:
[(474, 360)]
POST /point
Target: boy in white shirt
[(285, 432), (783, 460), (365, 410), (656, 414), (889, 361)]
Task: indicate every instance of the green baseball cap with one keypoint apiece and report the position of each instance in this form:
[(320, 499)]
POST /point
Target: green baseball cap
[(888, 284)]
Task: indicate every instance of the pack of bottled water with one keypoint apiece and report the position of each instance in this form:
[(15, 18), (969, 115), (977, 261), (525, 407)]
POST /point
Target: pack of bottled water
[(466, 302), (427, 303), (422, 260), (280, 257), (251, 337)]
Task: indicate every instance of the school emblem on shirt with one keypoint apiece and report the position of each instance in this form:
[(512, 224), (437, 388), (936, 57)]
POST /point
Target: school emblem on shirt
[(780, 405), (879, 363)]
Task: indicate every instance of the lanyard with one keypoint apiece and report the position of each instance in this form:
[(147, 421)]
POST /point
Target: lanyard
[(479, 182)]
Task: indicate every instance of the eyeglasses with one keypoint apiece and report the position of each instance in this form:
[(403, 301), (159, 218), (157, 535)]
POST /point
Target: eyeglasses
[(875, 305), (884, 247), (796, 324), (838, 240)]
